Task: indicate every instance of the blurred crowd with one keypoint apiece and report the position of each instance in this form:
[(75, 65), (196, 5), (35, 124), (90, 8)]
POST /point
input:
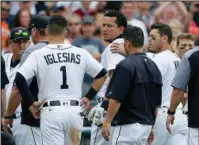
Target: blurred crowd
[(85, 19)]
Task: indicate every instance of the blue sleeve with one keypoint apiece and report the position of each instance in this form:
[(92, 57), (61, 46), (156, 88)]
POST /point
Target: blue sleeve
[(181, 79), (119, 84)]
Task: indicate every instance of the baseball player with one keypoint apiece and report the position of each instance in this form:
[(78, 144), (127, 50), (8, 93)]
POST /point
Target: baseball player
[(187, 75), (39, 38), (59, 68), (159, 41), (134, 97), (19, 41), (114, 24)]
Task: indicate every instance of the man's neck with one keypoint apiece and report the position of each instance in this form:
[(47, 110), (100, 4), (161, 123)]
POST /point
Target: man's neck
[(56, 40), (15, 58), (136, 50), (165, 47)]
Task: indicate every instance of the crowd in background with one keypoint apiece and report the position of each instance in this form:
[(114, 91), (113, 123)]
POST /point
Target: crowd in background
[(85, 19)]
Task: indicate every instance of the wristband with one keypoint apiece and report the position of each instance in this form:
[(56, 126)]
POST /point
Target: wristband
[(91, 93), (8, 117), (106, 125), (170, 112), (105, 104)]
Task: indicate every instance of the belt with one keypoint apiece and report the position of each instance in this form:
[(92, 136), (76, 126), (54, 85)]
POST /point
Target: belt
[(62, 103), (17, 115)]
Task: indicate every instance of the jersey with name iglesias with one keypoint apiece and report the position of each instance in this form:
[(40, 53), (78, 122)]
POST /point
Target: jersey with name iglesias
[(59, 69)]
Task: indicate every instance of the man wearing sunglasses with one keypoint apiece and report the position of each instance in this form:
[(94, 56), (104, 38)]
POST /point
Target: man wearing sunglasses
[(19, 41)]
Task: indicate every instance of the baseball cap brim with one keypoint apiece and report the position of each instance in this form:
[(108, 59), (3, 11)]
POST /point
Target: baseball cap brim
[(20, 38)]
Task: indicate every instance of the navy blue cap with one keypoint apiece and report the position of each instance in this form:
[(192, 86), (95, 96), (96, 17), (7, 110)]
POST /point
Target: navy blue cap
[(40, 21), (19, 33)]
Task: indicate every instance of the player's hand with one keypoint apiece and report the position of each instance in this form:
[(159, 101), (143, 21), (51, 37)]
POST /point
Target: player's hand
[(4, 125), (170, 120), (118, 48), (35, 109), (8, 122), (86, 103), (151, 137), (106, 132)]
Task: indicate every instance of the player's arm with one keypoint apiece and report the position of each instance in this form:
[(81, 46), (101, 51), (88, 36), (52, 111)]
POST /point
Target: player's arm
[(14, 102), (180, 83), (95, 70), (26, 72)]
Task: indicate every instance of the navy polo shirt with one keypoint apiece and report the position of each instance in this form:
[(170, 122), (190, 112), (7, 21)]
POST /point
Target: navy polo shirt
[(137, 85)]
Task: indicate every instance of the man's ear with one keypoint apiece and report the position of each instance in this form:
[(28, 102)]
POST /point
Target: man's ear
[(65, 34), (165, 38)]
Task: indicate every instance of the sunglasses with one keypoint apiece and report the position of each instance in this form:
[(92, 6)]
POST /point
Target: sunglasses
[(4, 9), (21, 34)]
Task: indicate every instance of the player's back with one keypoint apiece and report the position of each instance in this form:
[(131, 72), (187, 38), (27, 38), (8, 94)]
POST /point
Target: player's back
[(167, 62), (61, 70)]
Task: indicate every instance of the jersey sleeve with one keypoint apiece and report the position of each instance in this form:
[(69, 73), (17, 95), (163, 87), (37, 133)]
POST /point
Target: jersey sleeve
[(113, 60), (29, 67), (119, 84), (182, 75), (93, 67)]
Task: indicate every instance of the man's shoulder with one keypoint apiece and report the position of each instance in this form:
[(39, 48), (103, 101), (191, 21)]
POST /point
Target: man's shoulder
[(35, 47)]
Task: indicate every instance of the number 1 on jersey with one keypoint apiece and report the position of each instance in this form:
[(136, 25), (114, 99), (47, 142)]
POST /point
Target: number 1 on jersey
[(64, 78)]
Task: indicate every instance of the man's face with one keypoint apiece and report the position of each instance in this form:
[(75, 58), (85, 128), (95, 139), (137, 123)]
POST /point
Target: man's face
[(184, 46), (18, 46), (110, 28), (74, 25), (154, 41), (127, 10), (5, 8), (88, 29)]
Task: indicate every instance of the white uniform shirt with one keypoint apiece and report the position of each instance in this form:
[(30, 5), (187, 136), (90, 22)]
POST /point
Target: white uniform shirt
[(167, 63), (11, 73), (60, 70), (109, 61)]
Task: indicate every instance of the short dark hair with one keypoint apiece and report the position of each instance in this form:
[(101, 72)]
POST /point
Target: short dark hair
[(134, 35), (163, 29), (120, 18), (57, 25)]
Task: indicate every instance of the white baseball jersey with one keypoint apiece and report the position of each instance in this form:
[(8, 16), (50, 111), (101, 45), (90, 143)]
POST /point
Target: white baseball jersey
[(60, 70), (10, 72), (109, 61), (167, 62)]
